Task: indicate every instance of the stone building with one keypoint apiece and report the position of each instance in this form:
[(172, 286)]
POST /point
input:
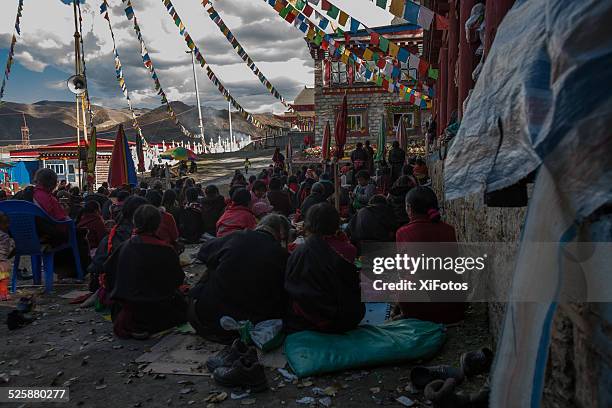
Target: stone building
[(302, 118), (368, 104)]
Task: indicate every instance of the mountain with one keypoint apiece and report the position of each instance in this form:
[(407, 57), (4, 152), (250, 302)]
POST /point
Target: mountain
[(54, 120), (156, 125), (49, 120)]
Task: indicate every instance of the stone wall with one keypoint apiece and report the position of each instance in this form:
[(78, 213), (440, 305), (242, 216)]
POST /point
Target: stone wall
[(375, 99), (579, 371)]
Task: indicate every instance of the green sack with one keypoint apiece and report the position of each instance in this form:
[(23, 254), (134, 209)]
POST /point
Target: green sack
[(310, 353)]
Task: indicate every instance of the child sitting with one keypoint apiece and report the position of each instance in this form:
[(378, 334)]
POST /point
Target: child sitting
[(7, 247)]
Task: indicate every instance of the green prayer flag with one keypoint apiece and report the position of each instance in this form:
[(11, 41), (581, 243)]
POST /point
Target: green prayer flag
[(381, 3), (333, 12), (283, 13), (318, 39), (379, 80), (383, 44), (381, 142), (433, 73), (300, 4)]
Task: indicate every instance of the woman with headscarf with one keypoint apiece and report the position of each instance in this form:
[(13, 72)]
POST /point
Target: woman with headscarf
[(144, 276), (321, 280)]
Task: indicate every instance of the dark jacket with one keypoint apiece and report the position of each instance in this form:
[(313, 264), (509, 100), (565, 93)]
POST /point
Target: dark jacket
[(118, 234), (323, 289), (397, 157), (397, 201), (212, 209), (244, 280), (373, 223), (94, 224), (140, 272), (359, 155), (191, 225), (281, 201), (311, 200)]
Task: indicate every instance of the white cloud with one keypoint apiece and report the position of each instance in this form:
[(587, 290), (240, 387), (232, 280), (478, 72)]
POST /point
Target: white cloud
[(27, 60), (277, 47)]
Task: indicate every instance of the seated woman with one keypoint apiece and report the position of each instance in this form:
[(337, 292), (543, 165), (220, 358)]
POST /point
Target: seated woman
[(321, 281), (190, 224), (397, 198), (376, 222), (245, 277), (90, 219), (425, 226), (279, 198), (168, 230), (213, 205), (144, 275), (259, 202), (119, 233), (238, 215)]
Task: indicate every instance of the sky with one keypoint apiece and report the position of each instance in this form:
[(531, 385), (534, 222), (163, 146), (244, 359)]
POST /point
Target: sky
[(44, 55)]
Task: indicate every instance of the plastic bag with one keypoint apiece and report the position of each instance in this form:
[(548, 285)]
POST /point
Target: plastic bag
[(266, 335)]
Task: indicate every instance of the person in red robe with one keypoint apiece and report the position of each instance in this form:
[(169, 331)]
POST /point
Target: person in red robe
[(426, 226), (90, 219), (237, 216)]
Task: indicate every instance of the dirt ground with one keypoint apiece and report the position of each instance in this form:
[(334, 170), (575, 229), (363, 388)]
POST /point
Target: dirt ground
[(71, 346)]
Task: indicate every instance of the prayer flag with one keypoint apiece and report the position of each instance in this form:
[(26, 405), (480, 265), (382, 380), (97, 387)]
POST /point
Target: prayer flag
[(393, 49), (425, 17), (354, 24), (326, 5), (343, 18), (368, 54), (374, 38), (383, 44), (129, 12), (403, 55), (432, 73), (411, 12), (307, 10), (323, 23), (381, 3), (333, 12), (441, 22), (397, 7)]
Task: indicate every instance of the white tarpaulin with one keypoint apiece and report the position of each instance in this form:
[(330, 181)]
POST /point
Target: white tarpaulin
[(546, 85)]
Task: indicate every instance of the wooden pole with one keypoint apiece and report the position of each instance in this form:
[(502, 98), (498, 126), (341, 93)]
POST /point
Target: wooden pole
[(336, 185)]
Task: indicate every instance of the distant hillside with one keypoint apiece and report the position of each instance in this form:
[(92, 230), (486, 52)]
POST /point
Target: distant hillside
[(49, 120)]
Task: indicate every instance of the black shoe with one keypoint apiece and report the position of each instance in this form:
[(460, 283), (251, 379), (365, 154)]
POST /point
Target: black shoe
[(476, 362), (227, 356), (442, 394), (244, 373), (421, 376)]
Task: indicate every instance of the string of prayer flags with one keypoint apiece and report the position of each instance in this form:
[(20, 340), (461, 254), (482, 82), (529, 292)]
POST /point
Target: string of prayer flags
[(119, 69), (216, 18), (209, 72), (387, 46), (11, 54), (414, 13), (337, 49), (148, 63)]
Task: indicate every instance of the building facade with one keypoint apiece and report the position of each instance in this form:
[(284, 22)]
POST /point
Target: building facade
[(368, 104)]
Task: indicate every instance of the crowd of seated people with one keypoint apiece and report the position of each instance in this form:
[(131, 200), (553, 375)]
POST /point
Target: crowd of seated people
[(256, 269)]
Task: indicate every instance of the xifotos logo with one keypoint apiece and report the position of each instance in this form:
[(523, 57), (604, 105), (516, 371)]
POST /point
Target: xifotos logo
[(412, 265)]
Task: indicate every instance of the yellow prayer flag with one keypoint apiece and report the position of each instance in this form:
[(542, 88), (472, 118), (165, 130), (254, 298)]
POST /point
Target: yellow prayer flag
[(343, 18), (344, 58), (279, 6), (397, 8), (311, 34), (393, 49), (367, 54)]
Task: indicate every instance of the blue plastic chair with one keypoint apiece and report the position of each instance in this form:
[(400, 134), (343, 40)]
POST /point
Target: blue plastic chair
[(23, 215)]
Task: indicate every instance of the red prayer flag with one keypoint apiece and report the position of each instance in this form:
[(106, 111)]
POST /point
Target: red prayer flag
[(441, 22), (340, 129), (326, 5)]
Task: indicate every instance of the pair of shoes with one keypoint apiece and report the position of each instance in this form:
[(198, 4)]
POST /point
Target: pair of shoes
[(442, 394), (237, 366), (471, 363)]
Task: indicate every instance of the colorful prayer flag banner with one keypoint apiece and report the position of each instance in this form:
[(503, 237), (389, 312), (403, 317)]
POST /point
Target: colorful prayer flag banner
[(11, 54), (209, 72), (414, 13), (148, 63), (216, 18), (119, 69)]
